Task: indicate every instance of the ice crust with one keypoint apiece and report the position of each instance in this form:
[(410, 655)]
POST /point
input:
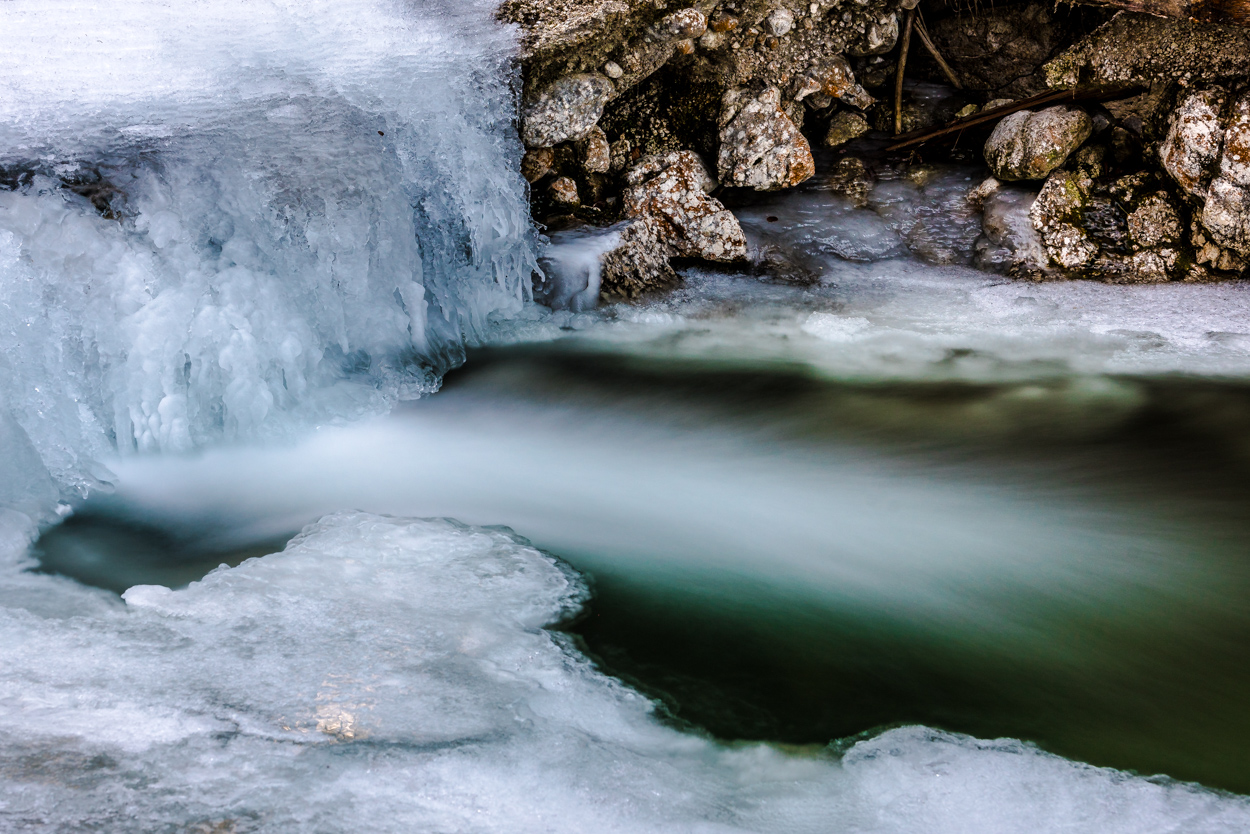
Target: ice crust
[(223, 219), (394, 675)]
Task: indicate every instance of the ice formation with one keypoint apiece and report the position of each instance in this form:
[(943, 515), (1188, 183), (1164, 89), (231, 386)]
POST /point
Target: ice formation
[(223, 220), (388, 675)]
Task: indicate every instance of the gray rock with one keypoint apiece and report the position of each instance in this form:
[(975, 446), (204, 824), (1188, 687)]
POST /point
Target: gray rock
[(1028, 145), (566, 110), (760, 146), (779, 22), (683, 25), (844, 127), (1155, 222), (671, 193)]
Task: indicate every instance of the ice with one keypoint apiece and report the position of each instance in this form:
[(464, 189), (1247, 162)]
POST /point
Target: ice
[(236, 220), (384, 674), (572, 263)]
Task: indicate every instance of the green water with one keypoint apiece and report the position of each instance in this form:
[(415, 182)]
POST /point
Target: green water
[(1151, 676)]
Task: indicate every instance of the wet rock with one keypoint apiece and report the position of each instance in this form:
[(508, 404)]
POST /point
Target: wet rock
[(637, 264), (760, 146), (1028, 145), (537, 163), (1057, 215), (565, 110), (596, 153), (850, 176), (671, 193), (844, 127), (563, 192), (978, 195)]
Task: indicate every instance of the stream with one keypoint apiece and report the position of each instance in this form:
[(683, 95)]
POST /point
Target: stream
[(313, 519)]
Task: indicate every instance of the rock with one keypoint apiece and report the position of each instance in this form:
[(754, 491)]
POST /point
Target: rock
[(851, 177), (988, 187), (779, 22), (761, 147), (537, 163), (671, 192), (1155, 222), (1028, 145), (621, 155), (563, 192), (638, 264), (880, 35), (1057, 215), (596, 152), (565, 110), (1192, 146), (844, 127), (1140, 49), (613, 70), (833, 78), (685, 24), (1207, 152)]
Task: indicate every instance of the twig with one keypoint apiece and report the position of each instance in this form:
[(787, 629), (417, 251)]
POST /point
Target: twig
[(1112, 93), (898, 77), (923, 33)]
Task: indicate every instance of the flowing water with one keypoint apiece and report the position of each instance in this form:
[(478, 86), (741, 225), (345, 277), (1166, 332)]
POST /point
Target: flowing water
[(865, 540)]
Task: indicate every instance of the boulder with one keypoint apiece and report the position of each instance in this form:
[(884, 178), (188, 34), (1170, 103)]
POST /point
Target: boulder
[(563, 192), (1207, 152), (1028, 145), (760, 146), (670, 192), (565, 110), (637, 264)]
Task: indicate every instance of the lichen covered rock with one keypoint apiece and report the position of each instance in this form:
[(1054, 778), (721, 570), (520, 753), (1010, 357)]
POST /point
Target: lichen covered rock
[(843, 127), (760, 146), (1028, 145), (1057, 215)]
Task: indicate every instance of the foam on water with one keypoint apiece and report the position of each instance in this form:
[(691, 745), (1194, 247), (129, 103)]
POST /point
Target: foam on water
[(392, 675), (224, 219)]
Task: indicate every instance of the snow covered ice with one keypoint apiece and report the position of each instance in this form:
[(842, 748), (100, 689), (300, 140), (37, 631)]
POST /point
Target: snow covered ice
[(394, 675)]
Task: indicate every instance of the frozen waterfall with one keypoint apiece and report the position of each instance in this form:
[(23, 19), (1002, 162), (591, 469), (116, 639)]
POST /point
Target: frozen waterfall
[(223, 220)]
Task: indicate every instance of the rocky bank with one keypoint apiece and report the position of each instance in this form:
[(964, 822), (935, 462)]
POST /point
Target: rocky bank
[(652, 114)]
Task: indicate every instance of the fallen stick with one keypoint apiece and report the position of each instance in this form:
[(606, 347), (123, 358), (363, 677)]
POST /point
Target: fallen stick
[(923, 33), (919, 137), (898, 76)]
